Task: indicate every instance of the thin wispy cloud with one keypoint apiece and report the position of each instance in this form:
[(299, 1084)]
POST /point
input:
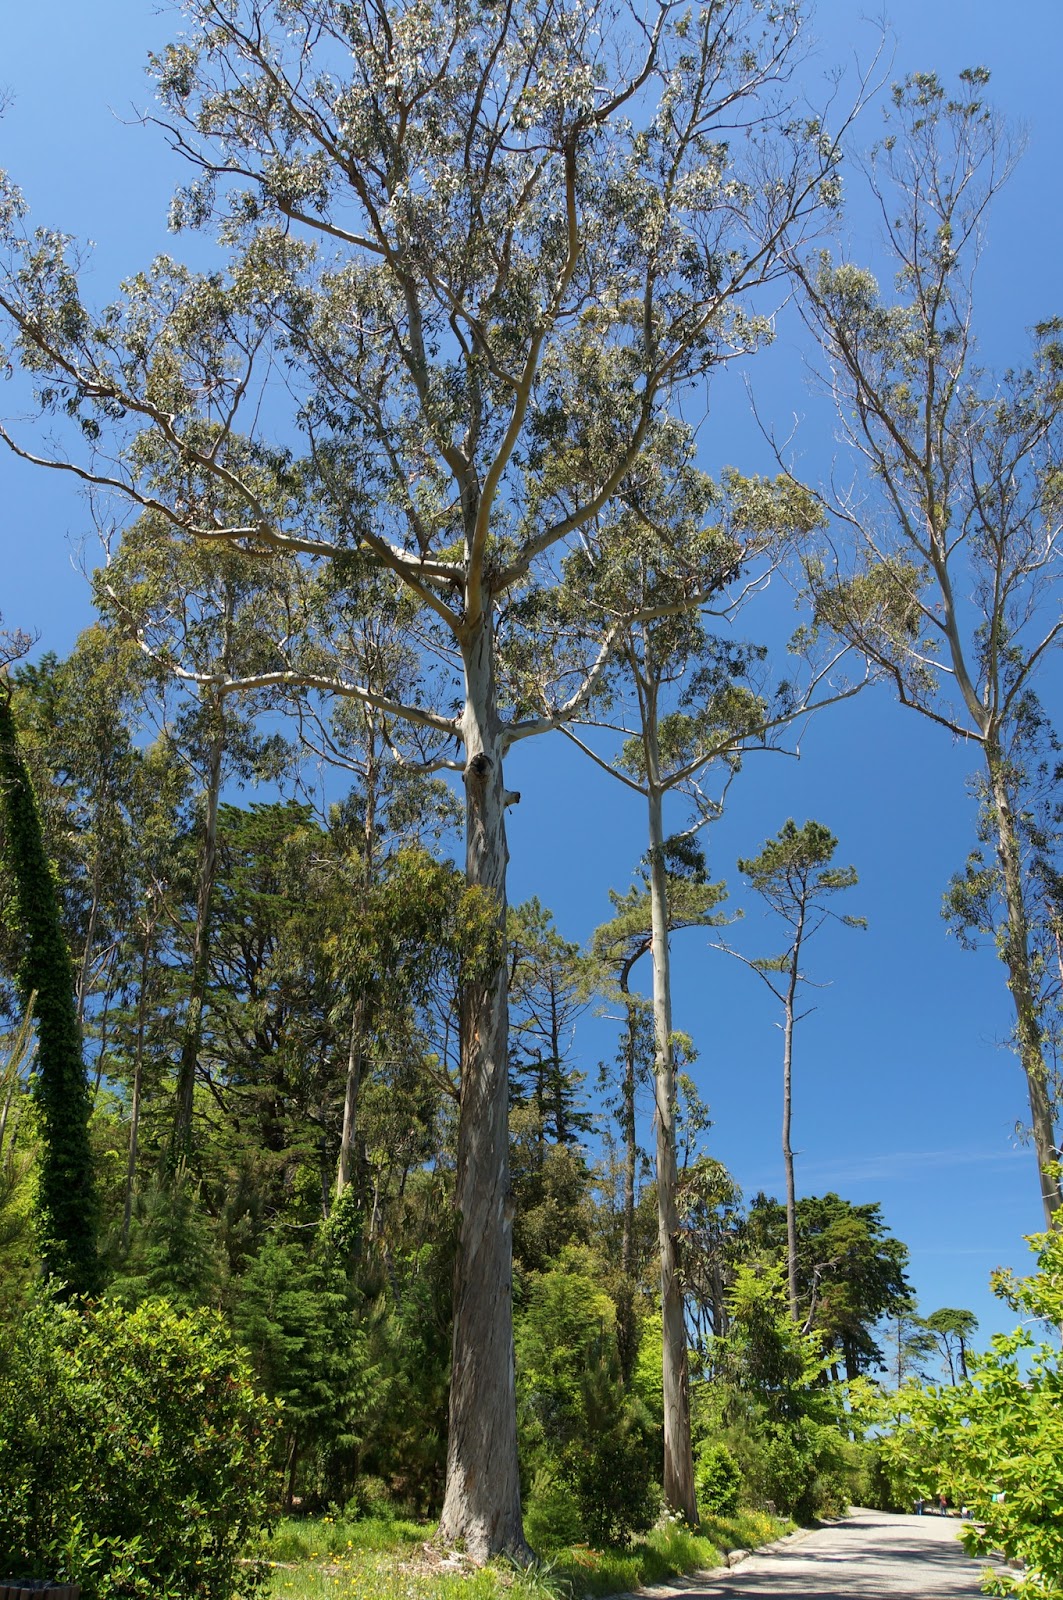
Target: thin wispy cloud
[(895, 1166)]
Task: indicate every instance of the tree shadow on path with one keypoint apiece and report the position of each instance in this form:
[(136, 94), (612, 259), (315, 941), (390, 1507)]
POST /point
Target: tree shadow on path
[(866, 1556)]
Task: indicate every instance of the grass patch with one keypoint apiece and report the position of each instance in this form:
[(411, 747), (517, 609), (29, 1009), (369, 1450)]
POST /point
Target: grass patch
[(667, 1551), (378, 1559)]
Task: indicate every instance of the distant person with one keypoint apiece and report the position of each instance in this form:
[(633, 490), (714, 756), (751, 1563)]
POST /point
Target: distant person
[(943, 1506), (919, 1504)]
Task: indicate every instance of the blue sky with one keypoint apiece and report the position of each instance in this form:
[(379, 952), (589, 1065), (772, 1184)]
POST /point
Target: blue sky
[(904, 1093)]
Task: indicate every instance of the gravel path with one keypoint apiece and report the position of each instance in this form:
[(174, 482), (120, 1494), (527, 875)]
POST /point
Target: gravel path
[(868, 1555)]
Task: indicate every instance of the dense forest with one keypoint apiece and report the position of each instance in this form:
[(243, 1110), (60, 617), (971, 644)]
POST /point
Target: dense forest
[(303, 1181), (407, 481)]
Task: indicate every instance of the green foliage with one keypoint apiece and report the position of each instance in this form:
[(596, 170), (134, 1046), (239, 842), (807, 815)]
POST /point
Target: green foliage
[(134, 1453), (66, 1193), (717, 1477), (582, 1433), (17, 1256), (380, 1558), (951, 1328), (294, 1314), (995, 1442), (551, 1186), (850, 1270), (767, 1400), (793, 870), (403, 1428), (173, 1250)]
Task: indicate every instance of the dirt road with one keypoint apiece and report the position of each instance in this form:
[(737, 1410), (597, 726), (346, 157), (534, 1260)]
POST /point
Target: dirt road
[(868, 1555)]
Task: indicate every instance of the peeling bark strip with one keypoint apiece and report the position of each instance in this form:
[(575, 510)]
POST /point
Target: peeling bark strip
[(482, 1504)]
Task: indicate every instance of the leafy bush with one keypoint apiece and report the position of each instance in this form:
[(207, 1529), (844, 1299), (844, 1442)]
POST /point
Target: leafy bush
[(767, 1400), (582, 1432), (995, 1443), (295, 1317), (717, 1478), (134, 1453), (552, 1519)]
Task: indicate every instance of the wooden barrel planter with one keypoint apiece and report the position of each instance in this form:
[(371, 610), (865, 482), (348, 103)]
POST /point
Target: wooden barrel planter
[(36, 1588)]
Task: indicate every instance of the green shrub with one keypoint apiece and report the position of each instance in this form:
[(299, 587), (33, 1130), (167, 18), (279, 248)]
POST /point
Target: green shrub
[(134, 1453), (717, 1479), (581, 1429), (802, 1469), (552, 1519)]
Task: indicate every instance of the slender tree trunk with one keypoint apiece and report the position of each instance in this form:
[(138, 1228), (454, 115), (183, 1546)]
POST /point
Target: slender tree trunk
[(138, 1083), (1020, 981), (627, 1239), (679, 1493), (5, 1111), (482, 1500), (105, 1022), (197, 993), (557, 1090), (85, 969), (361, 1014), (291, 1468), (787, 1112), (352, 1091)]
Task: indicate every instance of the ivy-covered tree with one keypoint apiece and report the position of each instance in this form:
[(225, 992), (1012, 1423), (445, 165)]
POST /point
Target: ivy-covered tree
[(46, 981)]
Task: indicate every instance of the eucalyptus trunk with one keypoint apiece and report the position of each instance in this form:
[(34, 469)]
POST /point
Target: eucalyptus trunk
[(679, 1493), (351, 1095), (1016, 955), (787, 1115), (482, 1502), (627, 1243), (360, 1019), (192, 1038), (138, 1085)]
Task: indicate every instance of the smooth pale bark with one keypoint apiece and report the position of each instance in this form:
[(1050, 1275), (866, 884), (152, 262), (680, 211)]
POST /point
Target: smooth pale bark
[(679, 1492), (787, 1113), (482, 1503), (351, 1096), (197, 989), (360, 1019), (627, 1241), (85, 970), (138, 1082), (1016, 956)]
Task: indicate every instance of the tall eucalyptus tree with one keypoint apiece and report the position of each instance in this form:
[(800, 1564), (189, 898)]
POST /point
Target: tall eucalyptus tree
[(954, 583), (682, 701), (689, 902), (487, 247)]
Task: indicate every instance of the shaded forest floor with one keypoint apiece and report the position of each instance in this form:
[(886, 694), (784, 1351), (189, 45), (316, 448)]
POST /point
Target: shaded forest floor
[(376, 1559)]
